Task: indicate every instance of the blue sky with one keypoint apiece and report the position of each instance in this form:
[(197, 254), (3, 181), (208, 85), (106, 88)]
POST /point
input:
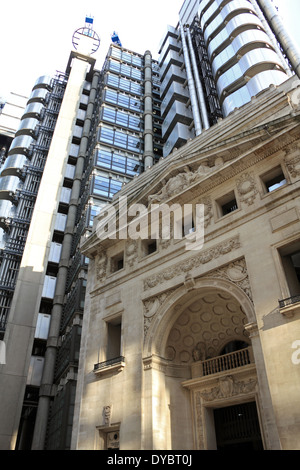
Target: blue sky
[(36, 40)]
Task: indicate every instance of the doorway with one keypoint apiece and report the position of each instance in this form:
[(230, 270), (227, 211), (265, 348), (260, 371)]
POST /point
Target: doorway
[(237, 428)]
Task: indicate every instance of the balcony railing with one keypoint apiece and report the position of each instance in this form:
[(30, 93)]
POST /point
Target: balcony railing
[(223, 363), (290, 301), (112, 364)]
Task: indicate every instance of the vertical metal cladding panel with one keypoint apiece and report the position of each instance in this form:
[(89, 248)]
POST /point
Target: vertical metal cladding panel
[(78, 132), (49, 287), (35, 372), (60, 222), (42, 326), (65, 195), (74, 150), (55, 252), (70, 172)]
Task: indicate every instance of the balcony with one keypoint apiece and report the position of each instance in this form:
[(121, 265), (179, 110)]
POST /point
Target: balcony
[(290, 306), (113, 365), (226, 362)]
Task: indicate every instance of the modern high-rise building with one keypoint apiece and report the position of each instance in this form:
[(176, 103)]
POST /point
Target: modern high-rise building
[(85, 135), (221, 54), (11, 110)]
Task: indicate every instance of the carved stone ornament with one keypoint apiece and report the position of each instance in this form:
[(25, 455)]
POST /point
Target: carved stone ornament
[(208, 211), (107, 415), (202, 258), (152, 305), (293, 160), (101, 266), (247, 189), (228, 387), (131, 252), (179, 183), (237, 273)]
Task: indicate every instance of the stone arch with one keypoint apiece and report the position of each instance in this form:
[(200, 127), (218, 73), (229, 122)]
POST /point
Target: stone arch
[(169, 312)]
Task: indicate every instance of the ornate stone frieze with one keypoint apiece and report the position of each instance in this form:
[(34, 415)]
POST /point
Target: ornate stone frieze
[(228, 387), (203, 257)]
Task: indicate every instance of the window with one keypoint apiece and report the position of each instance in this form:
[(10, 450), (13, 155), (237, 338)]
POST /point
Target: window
[(273, 179), (113, 350), (149, 247), (113, 160), (117, 263), (120, 139), (227, 204), (290, 259), (106, 187)]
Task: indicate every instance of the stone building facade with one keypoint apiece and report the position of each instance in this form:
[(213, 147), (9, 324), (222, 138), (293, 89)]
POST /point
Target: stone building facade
[(180, 345)]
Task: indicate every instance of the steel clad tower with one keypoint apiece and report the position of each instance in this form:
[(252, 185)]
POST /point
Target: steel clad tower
[(222, 53)]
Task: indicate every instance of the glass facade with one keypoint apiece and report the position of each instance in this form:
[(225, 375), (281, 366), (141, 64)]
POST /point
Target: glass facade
[(114, 161)]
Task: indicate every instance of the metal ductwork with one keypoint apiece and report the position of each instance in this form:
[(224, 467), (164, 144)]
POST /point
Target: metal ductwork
[(281, 34), (191, 84), (199, 88)]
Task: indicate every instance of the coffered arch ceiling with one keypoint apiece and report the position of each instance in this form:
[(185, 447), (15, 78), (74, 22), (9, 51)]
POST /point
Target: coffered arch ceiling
[(212, 319)]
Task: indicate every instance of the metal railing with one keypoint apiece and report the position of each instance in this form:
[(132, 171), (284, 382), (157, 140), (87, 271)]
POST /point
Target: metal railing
[(111, 362), (229, 361), (289, 301)]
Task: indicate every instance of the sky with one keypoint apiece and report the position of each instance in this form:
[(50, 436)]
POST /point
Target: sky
[(36, 36)]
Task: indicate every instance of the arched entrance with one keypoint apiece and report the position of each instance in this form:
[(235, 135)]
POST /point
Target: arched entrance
[(201, 360)]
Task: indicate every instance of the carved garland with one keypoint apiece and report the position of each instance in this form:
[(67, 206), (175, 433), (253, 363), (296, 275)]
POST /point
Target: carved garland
[(194, 262), (228, 387)]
